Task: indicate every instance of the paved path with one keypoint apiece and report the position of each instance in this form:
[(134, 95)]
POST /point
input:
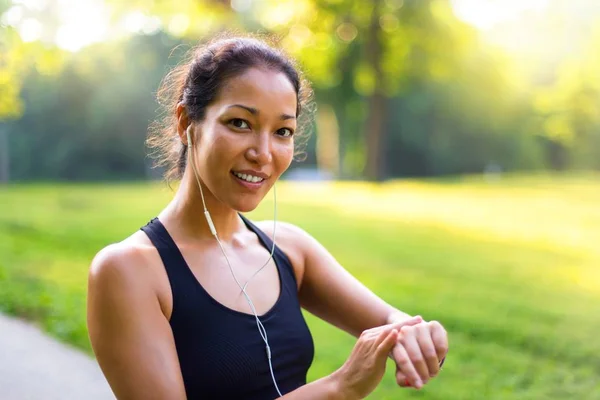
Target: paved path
[(35, 367)]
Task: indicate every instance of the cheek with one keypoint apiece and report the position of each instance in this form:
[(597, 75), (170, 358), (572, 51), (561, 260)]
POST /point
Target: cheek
[(285, 154), (216, 149)]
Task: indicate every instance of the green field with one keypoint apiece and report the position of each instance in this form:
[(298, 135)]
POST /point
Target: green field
[(511, 268)]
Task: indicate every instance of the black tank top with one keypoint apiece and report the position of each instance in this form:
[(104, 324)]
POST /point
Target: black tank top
[(221, 353)]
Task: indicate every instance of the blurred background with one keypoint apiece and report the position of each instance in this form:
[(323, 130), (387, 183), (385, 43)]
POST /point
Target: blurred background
[(453, 166)]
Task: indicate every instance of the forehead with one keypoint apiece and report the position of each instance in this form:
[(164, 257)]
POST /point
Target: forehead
[(260, 88)]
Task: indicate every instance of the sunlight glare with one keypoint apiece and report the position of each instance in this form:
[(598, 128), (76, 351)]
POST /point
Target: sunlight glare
[(241, 5), (83, 22), (70, 24), (134, 21), (179, 24), (12, 16), (30, 30), (485, 14), (152, 25), (36, 5)]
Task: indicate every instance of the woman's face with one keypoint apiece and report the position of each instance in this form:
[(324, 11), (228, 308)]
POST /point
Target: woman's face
[(246, 140)]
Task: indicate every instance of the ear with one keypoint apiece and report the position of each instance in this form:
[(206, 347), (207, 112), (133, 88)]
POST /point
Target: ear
[(182, 123)]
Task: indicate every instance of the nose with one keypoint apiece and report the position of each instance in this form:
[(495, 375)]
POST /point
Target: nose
[(260, 150)]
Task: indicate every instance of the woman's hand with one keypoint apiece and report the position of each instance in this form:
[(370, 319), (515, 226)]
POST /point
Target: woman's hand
[(365, 367), (419, 352)]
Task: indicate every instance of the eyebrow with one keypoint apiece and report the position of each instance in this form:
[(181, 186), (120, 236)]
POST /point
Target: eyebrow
[(254, 111)]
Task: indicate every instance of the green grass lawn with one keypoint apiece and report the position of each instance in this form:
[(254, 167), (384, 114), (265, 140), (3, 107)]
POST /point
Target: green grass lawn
[(511, 268)]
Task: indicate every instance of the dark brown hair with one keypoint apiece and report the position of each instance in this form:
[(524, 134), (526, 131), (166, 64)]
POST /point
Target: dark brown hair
[(196, 83)]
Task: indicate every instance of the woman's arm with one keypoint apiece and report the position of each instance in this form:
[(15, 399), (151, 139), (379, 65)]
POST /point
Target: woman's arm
[(130, 335), (326, 289), (326, 388)]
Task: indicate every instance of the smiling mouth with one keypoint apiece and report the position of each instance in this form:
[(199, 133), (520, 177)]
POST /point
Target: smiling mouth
[(248, 178)]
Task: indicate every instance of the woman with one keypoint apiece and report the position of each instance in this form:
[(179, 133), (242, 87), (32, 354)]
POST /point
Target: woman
[(187, 307)]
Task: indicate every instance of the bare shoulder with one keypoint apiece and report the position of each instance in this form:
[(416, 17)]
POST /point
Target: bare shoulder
[(284, 230), (294, 241), (123, 286), (132, 268), (122, 260)]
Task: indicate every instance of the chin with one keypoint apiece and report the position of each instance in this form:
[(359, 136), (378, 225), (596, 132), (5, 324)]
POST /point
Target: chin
[(245, 209), (246, 205)]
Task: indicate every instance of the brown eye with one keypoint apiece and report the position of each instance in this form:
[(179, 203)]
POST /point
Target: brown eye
[(239, 123), (285, 132)]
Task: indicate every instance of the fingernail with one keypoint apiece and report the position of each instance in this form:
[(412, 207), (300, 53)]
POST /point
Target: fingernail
[(418, 384)]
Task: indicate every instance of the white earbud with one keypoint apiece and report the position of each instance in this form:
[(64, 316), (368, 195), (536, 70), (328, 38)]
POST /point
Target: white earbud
[(189, 136)]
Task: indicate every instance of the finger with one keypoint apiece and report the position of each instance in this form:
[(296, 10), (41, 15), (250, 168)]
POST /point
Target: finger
[(427, 349), (409, 341), (387, 343), (406, 322), (395, 325), (402, 380), (439, 336), (374, 333), (372, 339), (406, 368)]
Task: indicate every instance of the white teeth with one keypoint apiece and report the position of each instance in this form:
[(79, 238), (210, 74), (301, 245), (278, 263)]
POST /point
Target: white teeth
[(248, 178)]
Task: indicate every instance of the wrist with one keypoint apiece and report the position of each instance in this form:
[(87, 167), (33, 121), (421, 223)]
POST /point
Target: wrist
[(397, 316), (338, 387)]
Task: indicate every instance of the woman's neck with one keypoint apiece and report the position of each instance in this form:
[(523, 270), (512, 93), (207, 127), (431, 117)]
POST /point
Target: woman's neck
[(186, 211)]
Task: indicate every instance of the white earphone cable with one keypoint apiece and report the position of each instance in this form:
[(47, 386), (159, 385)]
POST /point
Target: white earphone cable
[(260, 326)]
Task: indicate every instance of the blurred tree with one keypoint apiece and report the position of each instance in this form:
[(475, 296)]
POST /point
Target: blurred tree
[(90, 121), (17, 59), (10, 104), (570, 110)]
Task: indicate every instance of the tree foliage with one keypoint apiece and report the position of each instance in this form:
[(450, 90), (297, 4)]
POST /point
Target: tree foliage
[(414, 91)]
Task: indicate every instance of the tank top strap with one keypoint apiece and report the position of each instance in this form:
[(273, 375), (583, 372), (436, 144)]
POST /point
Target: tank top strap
[(175, 265), (280, 258)]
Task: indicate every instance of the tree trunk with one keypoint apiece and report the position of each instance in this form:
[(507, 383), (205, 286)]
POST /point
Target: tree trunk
[(4, 162), (375, 165), (328, 140), (557, 155), (340, 97), (376, 102)]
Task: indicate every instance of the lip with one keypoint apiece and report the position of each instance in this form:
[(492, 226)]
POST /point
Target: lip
[(249, 185)]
